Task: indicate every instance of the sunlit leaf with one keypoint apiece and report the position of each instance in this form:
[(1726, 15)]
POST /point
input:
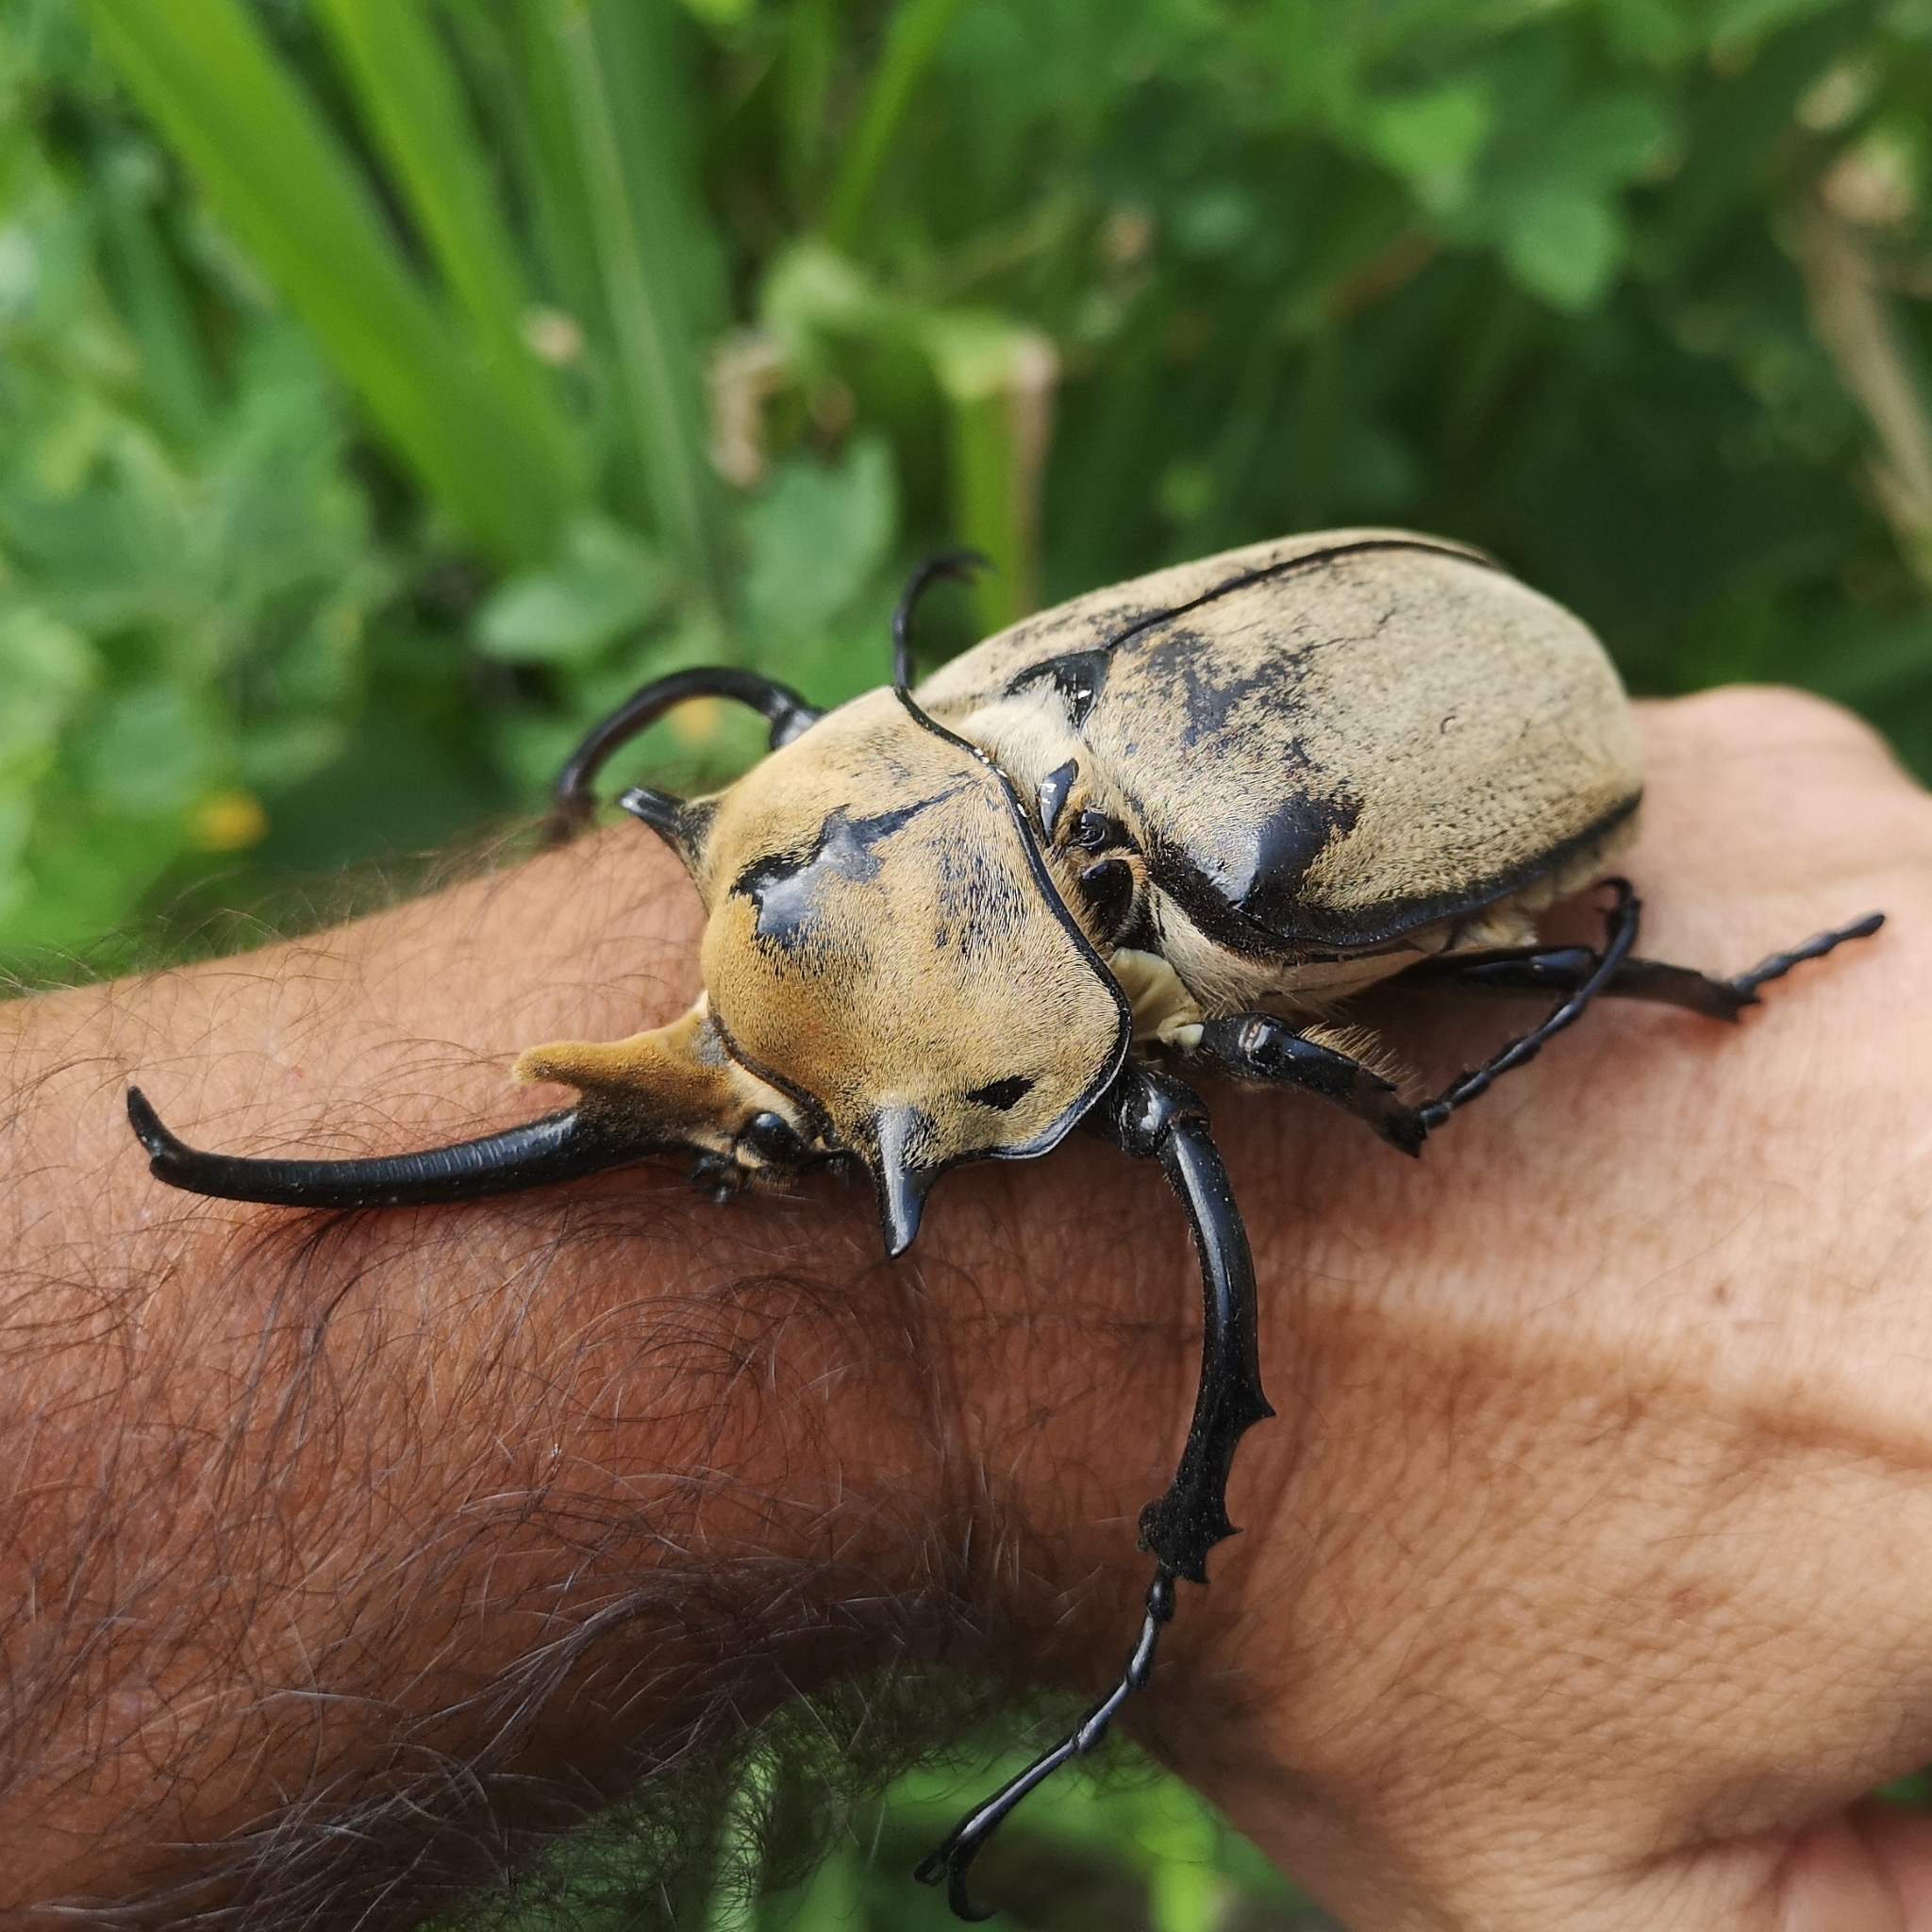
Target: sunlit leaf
[(816, 534), (608, 582)]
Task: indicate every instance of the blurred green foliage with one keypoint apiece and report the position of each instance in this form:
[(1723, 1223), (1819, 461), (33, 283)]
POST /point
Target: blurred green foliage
[(388, 386)]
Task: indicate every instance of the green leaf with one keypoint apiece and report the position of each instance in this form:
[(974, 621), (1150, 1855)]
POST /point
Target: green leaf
[(404, 82), (1737, 22), (815, 537), (911, 41), (614, 65), (1432, 140), (607, 584), (274, 169), (1612, 141), (1565, 247), (155, 751), (46, 669)]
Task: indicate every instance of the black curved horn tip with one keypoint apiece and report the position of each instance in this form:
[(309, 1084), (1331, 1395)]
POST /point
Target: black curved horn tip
[(953, 565), (147, 1126)]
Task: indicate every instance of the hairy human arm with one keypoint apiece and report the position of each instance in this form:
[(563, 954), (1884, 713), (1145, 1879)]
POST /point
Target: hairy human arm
[(337, 1549), (1586, 1569)]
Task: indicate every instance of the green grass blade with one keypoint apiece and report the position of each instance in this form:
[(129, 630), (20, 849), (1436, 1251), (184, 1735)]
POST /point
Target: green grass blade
[(158, 314), (643, 243), (911, 42), (551, 170), (404, 84), (998, 380), (274, 171)]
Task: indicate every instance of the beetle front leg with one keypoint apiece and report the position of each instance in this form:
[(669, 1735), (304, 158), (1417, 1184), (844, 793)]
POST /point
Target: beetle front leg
[(1262, 1047), (1151, 1115)]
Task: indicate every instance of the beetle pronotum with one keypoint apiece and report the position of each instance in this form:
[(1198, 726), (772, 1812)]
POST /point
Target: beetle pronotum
[(1155, 834)]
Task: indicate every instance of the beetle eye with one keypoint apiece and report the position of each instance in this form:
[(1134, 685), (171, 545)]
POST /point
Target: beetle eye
[(1110, 889), (771, 1137), (1093, 831)]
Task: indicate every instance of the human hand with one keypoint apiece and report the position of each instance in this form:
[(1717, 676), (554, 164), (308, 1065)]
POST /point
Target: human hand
[(1587, 1577)]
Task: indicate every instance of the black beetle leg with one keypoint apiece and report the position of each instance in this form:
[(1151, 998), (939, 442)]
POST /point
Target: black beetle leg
[(954, 1858), (1621, 924), (1259, 1046), (1151, 1115), (787, 713), (1563, 969), (1780, 963), (1264, 1047)]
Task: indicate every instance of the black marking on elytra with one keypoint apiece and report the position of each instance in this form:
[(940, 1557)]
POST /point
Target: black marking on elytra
[(1003, 1095), (1247, 882), (1330, 932), (1079, 678), (1054, 791), (786, 890), (1289, 842), (1187, 675)]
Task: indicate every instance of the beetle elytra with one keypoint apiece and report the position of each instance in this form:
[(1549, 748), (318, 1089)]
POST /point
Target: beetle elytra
[(1154, 834)]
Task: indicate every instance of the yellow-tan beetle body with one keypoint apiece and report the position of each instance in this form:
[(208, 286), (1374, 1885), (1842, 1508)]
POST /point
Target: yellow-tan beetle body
[(1156, 833)]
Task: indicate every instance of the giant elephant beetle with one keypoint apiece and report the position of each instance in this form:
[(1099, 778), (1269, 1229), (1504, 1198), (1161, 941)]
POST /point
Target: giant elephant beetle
[(1158, 832)]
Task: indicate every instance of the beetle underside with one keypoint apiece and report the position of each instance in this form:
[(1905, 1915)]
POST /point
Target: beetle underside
[(1160, 835)]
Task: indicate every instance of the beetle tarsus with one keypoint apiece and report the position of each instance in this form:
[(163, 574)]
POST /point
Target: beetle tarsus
[(1780, 963), (1620, 922), (950, 1862)]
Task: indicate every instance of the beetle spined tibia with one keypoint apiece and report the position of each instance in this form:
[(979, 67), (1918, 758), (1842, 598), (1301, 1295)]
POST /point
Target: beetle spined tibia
[(1151, 1115)]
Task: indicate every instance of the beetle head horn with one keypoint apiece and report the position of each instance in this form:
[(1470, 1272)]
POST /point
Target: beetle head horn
[(672, 1088)]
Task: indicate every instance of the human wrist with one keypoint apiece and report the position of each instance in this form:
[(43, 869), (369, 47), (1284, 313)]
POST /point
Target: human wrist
[(371, 1472)]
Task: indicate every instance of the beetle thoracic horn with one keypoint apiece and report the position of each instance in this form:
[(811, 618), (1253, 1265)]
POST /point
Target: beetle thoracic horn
[(955, 565), (780, 706), (558, 1147), (680, 825)]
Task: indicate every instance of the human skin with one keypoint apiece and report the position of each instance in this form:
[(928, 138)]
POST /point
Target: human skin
[(1586, 1577)]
